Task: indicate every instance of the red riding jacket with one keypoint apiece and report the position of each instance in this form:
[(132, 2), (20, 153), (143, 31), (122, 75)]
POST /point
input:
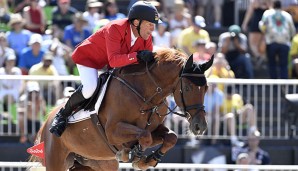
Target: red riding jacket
[(110, 45)]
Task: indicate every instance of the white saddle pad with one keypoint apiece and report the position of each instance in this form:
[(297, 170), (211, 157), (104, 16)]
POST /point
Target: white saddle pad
[(82, 114)]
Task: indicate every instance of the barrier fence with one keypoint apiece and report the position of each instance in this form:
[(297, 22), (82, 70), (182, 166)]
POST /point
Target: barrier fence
[(164, 167), (265, 96)]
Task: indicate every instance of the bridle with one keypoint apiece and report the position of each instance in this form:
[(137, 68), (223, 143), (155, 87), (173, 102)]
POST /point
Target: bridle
[(159, 90), (186, 109)]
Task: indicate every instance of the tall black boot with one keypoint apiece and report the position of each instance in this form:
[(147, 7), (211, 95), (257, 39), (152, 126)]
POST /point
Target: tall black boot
[(60, 120)]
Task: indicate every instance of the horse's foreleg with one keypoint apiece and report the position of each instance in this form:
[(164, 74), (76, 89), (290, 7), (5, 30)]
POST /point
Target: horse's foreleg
[(121, 133), (162, 135)]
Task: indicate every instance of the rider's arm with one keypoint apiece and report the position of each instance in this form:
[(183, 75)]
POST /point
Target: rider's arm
[(114, 41)]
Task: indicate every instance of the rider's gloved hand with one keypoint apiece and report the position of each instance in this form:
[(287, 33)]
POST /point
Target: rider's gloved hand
[(145, 56)]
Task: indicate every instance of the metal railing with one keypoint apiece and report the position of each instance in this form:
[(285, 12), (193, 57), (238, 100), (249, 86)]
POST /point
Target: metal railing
[(166, 166), (266, 96)]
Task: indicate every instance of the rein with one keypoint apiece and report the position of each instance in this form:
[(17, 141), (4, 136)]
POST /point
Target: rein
[(159, 90)]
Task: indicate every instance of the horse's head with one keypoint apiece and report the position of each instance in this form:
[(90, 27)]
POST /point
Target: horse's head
[(190, 98)]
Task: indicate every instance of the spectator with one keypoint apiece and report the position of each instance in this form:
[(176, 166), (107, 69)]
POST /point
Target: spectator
[(178, 21), (233, 44), (4, 50), (221, 69), (250, 24), (45, 67), (31, 110), (34, 17), (31, 55), (92, 13), (237, 113), (191, 34), (62, 17), (17, 37), (10, 88), (214, 98), (62, 60), (256, 154), (243, 159), (294, 56), (201, 55), (161, 37), (76, 32), (217, 6), (111, 11), (279, 28)]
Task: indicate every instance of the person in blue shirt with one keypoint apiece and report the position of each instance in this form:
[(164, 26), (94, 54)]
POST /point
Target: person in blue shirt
[(76, 32), (31, 55)]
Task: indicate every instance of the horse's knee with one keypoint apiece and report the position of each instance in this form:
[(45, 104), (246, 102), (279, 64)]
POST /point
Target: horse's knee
[(170, 140)]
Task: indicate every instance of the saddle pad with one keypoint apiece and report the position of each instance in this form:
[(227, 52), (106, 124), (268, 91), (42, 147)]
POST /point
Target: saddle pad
[(82, 114)]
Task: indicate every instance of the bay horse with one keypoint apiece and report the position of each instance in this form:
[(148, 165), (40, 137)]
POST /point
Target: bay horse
[(132, 116)]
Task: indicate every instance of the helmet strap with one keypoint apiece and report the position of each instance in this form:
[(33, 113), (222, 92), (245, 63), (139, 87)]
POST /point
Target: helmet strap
[(139, 28)]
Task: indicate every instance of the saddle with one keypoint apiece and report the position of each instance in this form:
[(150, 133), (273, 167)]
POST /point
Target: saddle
[(92, 105)]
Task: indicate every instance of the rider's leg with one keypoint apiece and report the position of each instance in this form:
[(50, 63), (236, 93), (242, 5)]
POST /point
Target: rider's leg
[(85, 91)]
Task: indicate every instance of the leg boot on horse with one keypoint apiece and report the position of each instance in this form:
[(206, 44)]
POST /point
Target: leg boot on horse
[(60, 120)]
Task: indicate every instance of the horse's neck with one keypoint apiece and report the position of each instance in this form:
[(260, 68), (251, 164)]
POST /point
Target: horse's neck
[(157, 79)]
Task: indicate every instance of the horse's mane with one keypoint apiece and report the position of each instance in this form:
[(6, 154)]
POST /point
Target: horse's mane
[(170, 55)]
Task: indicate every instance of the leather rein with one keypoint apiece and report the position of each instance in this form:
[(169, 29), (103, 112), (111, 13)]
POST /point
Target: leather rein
[(159, 90)]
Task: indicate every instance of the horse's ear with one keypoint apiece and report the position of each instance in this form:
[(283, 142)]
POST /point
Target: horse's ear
[(207, 64), (189, 62)]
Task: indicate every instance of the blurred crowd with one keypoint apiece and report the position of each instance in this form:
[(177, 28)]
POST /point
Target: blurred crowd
[(38, 37)]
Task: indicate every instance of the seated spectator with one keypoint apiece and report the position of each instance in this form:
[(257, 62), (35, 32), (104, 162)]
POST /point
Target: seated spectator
[(76, 32), (233, 110), (92, 14), (233, 44), (4, 49), (34, 17), (256, 154), (111, 11), (62, 16), (32, 109), (243, 159), (191, 34), (221, 69), (161, 37), (179, 20), (31, 55), (214, 98), (201, 55), (62, 53), (17, 37), (10, 89), (45, 67)]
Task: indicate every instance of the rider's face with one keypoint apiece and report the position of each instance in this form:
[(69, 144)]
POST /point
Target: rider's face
[(146, 29)]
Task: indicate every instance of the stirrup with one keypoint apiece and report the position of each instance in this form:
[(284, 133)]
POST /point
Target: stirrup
[(58, 126)]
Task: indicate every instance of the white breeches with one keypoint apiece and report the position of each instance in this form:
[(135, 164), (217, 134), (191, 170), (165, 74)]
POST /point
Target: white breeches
[(89, 78)]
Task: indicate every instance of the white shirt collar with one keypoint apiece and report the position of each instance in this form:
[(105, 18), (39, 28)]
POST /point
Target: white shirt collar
[(133, 38)]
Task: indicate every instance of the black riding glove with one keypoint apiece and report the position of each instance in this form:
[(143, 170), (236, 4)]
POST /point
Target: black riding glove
[(145, 56)]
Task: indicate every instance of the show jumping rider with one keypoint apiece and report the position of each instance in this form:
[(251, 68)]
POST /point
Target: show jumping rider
[(119, 43)]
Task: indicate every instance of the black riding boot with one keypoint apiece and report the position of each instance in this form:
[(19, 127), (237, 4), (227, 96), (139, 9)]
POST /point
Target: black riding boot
[(60, 120)]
